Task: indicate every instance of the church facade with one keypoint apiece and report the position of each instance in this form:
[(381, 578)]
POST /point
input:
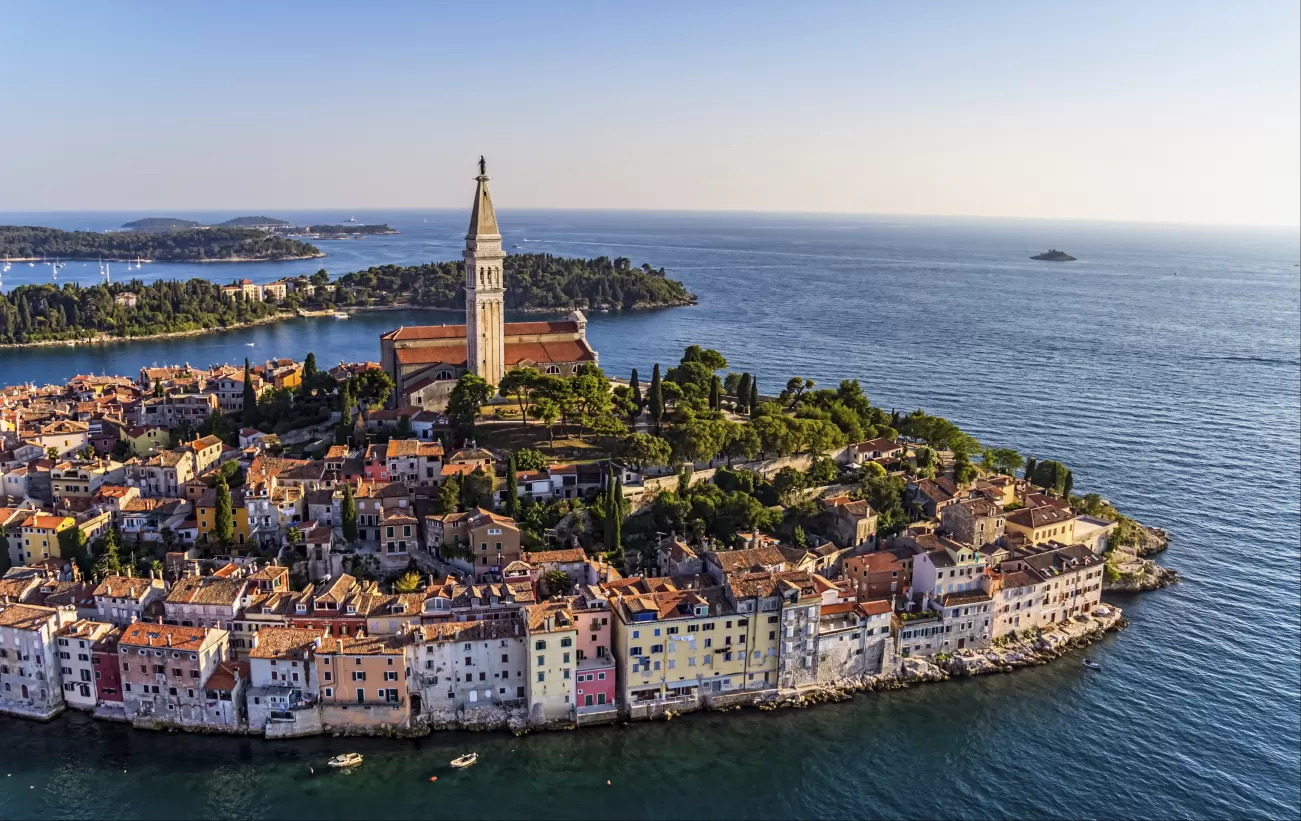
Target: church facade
[(426, 360)]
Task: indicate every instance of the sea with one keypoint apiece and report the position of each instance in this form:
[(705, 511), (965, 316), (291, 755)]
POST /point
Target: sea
[(1163, 367)]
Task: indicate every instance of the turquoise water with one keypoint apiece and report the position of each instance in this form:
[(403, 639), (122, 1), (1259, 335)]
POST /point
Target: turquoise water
[(1163, 368)]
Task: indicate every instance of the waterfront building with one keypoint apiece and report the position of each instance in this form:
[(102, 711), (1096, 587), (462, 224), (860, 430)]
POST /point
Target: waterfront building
[(426, 361), (854, 639), (968, 619), (1066, 581), (551, 660), (284, 686), (108, 674), (597, 688), (460, 666), (75, 643), (363, 682), (30, 680), (1042, 523), (946, 566), (164, 668), (122, 600)]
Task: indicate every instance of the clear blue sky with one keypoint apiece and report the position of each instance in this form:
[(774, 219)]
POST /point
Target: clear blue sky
[(1166, 110)]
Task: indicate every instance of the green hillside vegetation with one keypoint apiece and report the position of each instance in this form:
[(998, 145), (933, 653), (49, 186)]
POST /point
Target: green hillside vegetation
[(245, 222), (37, 313), (191, 245), (533, 281)]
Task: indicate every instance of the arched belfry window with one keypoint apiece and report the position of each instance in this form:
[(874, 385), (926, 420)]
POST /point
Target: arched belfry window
[(553, 369)]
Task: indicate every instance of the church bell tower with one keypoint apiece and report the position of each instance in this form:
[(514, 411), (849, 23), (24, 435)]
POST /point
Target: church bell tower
[(485, 290)]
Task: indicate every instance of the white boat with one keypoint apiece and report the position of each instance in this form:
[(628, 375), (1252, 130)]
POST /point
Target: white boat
[(1092, 665), (251, 344), (465, 761), (340, 315), (345, 760)]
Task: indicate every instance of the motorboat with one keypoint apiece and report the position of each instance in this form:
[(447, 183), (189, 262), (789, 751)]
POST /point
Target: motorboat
[(340, 315), (465, 761), (1092, 665), (345, 760)]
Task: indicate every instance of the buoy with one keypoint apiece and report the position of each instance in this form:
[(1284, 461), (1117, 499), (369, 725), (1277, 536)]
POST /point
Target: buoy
[(433, 778), (607, 782)]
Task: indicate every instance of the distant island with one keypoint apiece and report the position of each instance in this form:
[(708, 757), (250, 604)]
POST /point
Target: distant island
[(161, 224), (1053, 255), (350, 228), (217, 244), (254, 222), (537, 282), (49, 314)]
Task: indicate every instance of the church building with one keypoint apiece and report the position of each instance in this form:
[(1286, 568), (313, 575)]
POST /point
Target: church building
[(426, 360)]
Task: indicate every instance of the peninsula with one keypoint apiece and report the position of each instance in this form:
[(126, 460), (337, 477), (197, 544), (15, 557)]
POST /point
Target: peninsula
[(185, 244), (349, 228), (401, 547), (1053, 255)]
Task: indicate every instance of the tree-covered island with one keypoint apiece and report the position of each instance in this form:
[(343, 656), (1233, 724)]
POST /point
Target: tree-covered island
[(46, 313), (25, 242)]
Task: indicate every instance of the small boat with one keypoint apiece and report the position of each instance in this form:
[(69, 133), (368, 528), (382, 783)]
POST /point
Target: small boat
[(345, 760), (340, 315), (465, 760), (250, 344), (1092, 665)]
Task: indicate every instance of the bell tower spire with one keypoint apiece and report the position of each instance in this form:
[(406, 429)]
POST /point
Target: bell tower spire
[(485, 289)]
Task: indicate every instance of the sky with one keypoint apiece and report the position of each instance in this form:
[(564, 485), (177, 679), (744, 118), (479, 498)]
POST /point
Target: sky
[(1161, 110)]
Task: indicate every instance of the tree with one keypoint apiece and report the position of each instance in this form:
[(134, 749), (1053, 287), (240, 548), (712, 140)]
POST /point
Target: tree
[(1068, 484), (108, 563), (743, 393), (643, 450), (741, 442), (250, 398), (634, 386), (529, 459), (52, 452), (511, 491), (468, 396), (710, 358), (754, 395), (1007, 460), (409, 582), (655, 402), (613, 512), (963, 470), (731, 383), (795, 388), (224, 525), (548, 412), (449, 494), (309, 368), (348, 514), (476, 490), (1029, 469), (520, 383), (715, 393), (72, 545)]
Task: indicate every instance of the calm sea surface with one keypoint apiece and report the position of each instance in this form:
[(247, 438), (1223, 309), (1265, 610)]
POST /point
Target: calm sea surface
[(1163, 367)]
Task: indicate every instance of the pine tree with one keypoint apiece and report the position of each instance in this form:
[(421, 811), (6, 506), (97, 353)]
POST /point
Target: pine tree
[(348, 514), (715, 392), (512, 489), (743, 393), (250, 397), (225, 522), (754, 395), (655, 403)]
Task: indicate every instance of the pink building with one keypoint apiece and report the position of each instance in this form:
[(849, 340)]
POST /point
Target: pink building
[(595, 687), (375, 464)]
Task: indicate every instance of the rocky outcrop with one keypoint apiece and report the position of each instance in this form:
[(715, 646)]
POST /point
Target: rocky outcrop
[(1154, 541), (1032, 650), (1139, 577)]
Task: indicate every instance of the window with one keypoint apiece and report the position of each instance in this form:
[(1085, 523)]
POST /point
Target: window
[(541, 645), (542, 676)]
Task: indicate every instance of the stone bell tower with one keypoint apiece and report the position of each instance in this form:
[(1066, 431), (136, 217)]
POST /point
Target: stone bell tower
[(485, 290)]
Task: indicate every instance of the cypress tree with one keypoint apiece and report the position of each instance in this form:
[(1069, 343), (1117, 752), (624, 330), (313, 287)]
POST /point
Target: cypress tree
[(656, 399), (512, 489), (250, 397), (1029, 469), (634, 384), (743, 393), (754, 395), (715, 392), (348, 514), (309, 367), (225, 522), (1068, 484)]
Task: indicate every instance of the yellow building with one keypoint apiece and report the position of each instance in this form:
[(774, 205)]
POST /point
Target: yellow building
[(674, 646), (41, 536), (1039, 524), (145, 439), (207, 452), (205, 513), (552, 655), (81, 480), (363, 682)]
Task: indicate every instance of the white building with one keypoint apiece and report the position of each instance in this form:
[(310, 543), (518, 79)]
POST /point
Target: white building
[(460, 666), (30, 682), (74, 642)]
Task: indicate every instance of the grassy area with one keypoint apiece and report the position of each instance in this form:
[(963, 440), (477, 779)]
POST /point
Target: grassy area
[(514, 436)]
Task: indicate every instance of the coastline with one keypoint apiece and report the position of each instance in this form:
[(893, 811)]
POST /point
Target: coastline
[(292, 258), (103, 339)]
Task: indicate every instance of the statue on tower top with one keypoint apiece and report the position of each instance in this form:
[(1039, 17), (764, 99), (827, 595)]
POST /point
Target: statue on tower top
[(483, 167)]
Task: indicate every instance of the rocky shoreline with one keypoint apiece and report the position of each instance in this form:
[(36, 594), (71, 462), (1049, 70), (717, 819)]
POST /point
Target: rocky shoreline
[(1148, 576)]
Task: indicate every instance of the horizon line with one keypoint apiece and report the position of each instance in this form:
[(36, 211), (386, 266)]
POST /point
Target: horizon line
[(718, 211)]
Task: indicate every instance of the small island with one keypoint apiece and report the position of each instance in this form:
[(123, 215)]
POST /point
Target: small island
[(185, 244), (349, 229), (1053, 255)]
